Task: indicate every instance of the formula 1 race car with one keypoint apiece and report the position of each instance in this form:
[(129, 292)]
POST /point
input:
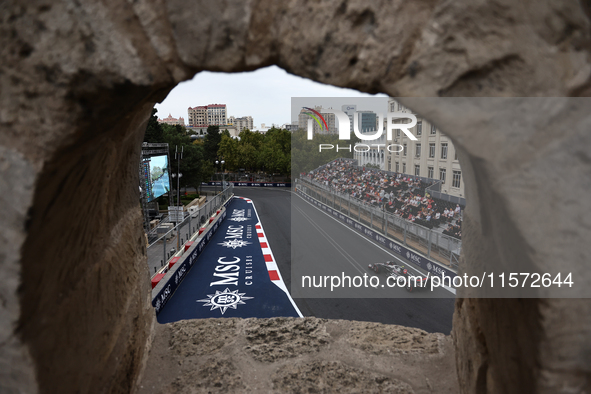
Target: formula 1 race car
[(410, 282)]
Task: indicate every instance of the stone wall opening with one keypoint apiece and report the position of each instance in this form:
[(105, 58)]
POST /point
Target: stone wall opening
[(79, 81)]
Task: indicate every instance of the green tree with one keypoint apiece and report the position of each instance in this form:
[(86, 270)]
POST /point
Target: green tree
[(274, 152), (229, 151), (306, 155), (248, 150), (211, 143), (154, 133), (248, 157), (192, 164), (248, 137)]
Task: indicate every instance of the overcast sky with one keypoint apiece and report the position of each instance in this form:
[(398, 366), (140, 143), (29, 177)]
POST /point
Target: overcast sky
[(264, 94)]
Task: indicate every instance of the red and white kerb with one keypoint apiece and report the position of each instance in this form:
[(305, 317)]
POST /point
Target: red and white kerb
[(272, 268)]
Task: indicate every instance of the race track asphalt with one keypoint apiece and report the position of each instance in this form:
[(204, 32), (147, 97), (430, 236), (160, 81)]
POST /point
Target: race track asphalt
[(290, 222)]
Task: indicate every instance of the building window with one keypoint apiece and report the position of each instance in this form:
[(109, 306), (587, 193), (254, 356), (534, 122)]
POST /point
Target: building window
[(397, 167), (418, 150), (417, 170), (397, 132), (393, 107), (444, 150), (432, 150), (455, 154), (420, 127), (457, 177), (433, 129), (404, 152), (399, 107), (442, 175), (430, 172), (404, 168)]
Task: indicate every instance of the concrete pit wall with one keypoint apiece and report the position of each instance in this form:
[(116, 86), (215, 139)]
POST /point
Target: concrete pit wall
[(78, 81)]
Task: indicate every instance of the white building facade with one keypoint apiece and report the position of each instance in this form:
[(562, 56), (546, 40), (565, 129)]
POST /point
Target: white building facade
[(433, 155), (368, 155)]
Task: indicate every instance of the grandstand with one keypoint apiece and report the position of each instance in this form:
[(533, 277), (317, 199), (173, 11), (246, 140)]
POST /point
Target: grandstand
[(396, 193)]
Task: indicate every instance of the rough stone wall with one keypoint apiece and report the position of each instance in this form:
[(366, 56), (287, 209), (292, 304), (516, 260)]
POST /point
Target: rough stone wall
[(287, 355), (525, 162), (78, 80)]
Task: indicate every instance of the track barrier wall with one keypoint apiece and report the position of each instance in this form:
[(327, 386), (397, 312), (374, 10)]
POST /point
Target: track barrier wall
[(250, 184), (166, 287), (433, 244), (412, 256)]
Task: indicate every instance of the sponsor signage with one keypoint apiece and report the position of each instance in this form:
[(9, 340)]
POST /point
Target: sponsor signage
[(230, 277), (418, 260), (251, 184), (171, 285)]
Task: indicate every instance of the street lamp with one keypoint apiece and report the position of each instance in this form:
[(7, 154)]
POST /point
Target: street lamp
[(222, 162), (178, 155), (223, 174), (179, 176)]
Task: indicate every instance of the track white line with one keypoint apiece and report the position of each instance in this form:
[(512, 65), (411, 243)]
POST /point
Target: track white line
[(334, 243)]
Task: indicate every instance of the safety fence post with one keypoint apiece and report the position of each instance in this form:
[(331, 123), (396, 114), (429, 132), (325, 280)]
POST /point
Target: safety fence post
[(164, 243), (429, 249), (405, 225)]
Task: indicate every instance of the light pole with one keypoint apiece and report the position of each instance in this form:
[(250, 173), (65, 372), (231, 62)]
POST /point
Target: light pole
[(223, 174), (178, 175), (215, 183), (222, 162)]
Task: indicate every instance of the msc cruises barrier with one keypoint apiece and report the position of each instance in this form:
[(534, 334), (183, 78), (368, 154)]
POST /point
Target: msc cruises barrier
[(251, 184), (235, 275)]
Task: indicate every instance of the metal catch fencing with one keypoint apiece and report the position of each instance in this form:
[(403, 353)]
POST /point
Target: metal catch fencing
[(429, 242), (170, 236)]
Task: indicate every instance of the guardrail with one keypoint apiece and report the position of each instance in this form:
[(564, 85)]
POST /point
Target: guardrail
[(431, 243), (164, 284), (171, 242), (252, 184)]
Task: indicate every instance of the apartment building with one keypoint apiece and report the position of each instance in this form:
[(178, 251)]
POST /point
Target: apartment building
[(208, 115), (306, 114), (245, 122)]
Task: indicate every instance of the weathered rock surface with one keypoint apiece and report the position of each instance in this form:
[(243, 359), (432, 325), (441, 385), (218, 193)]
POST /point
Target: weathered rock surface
[(335, 376), (300, 356), (284, 338), (78, 81), (522, 217)]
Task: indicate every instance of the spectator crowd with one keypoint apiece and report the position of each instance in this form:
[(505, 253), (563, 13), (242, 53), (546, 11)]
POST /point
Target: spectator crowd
[(399, 194)]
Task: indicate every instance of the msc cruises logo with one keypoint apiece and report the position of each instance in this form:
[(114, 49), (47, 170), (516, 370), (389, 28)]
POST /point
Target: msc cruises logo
[(234, 243), (223, 300)]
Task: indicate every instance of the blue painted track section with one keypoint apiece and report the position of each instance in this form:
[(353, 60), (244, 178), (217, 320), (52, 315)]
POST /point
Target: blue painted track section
[(230, 278)]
